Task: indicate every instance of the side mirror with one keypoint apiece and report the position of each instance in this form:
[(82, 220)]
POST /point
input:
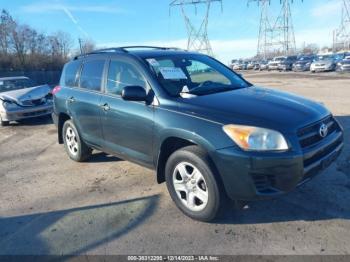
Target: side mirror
[(134, 93)]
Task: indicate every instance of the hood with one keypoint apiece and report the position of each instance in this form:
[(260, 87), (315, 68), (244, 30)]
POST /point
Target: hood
[(345, 62), (257, 107), (22, 96), (326, 62), (303, 62)]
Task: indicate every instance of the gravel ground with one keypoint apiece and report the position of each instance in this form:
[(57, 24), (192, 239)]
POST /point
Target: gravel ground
[(51, 205)]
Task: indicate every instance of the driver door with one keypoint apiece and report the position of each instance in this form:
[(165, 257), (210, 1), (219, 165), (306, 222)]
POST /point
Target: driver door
[(127, 125)]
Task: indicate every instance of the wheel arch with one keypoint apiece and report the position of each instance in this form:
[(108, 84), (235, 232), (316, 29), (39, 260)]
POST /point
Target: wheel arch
[(172, 143), (62, 118)]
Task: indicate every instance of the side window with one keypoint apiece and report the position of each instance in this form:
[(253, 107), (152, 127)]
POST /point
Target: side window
[(70, 74), (122, 74), (91, 75)]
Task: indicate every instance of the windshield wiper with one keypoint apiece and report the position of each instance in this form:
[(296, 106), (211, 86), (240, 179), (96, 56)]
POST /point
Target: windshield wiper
[(212, 90)]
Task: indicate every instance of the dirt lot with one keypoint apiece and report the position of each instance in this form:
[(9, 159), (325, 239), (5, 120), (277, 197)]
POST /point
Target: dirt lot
[(51, 205)]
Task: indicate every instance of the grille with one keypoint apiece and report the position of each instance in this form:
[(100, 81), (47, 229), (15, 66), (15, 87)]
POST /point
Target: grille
[(309, 136), (35, 102), (264, 183)]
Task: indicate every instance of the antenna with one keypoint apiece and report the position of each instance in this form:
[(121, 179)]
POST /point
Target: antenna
[(275, 37), (341, 37), (197, 37)]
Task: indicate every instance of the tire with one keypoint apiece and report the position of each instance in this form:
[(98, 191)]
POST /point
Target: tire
[(203, 189), (4, 123), (75, 147)]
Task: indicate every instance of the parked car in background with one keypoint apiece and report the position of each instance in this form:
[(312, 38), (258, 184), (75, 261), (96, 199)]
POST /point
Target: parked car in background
[(207, 132), (275, 62), (287, 63), (323, 63), (257, 65), (344, 64), (240, 65), (250, 65), (20, 98), (303, 63), (263, 65)]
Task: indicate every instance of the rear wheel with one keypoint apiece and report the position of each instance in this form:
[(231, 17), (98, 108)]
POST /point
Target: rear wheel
[(75, 147), (193, 185)]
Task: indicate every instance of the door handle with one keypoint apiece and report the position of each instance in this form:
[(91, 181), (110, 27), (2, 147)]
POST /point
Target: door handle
[(105, 107), (71, 99)]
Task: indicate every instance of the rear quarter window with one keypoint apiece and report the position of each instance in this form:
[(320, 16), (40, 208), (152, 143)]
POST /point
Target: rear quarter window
[(70, 74)]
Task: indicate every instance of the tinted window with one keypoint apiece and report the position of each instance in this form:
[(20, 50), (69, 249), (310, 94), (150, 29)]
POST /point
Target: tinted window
[(91, 75), (121, 74), (71, 71)]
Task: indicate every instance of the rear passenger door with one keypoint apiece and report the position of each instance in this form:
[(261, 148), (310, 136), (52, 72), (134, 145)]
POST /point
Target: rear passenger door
[(127, 125), (84, 101)]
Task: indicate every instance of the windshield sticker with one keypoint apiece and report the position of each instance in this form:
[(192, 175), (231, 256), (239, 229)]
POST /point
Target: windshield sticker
[(1, 83), (152, 62), (174, 73)]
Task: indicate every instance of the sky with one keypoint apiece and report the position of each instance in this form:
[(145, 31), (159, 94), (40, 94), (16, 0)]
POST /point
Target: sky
[(232, 30)]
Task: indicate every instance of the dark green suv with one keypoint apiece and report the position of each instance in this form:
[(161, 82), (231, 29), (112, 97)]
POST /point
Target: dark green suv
[(206, 131)]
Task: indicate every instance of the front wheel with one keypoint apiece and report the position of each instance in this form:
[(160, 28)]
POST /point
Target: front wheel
[(75, 147), (192, 184), (4, 123)]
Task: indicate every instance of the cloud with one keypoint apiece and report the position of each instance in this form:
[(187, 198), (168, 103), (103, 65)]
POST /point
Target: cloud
[(328, 9)]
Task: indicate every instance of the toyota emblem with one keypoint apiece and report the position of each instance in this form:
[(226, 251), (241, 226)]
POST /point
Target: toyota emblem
[(323, 130)]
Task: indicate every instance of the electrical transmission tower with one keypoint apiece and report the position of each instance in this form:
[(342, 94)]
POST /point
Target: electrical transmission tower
[(197, 36), (275, 36), (341, 38)]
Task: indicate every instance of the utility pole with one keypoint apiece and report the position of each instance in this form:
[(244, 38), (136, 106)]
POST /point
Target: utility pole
[(80, 45), (341, 36), (197, 36)]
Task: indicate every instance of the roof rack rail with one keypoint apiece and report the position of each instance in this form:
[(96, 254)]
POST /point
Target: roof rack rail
[(149, 47), (123, 49)]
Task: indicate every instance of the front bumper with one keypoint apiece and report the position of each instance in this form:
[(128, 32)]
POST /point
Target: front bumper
[(21, 113), (344, 68), (273, 67), (322, 68), (253, 176), (301, 68)]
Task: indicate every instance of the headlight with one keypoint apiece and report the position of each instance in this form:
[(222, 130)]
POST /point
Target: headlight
[(256, 138), (9, 105)]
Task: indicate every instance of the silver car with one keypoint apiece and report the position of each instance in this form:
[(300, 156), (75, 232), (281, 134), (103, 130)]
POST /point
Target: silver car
[(20, 98), (323, 63)]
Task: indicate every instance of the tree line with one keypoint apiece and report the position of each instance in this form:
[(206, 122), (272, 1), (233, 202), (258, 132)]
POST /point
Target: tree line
[(24, 48)]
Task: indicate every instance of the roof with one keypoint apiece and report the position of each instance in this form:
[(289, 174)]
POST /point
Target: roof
[(13, 78)]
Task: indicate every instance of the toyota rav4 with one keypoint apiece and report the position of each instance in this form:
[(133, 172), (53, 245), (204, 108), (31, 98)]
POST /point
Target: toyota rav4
[(206, 131)]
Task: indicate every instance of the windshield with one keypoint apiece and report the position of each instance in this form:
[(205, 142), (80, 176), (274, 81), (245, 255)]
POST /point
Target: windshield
[(305, 58), (15, 84), (324, 57), (194, 74), (279, 59)]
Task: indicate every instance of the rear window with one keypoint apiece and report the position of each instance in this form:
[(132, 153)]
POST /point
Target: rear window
[(70, 74), (91, 75)]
